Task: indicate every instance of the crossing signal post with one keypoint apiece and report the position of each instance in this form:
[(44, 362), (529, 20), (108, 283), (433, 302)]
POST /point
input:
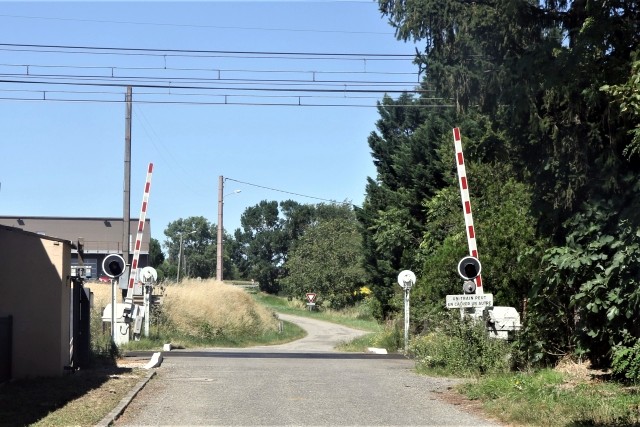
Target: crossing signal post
[(113, 266), (406, 280), (469, 268)]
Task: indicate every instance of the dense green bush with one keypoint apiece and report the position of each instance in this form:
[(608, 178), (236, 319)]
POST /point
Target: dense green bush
[(625, 364), (462, 347)]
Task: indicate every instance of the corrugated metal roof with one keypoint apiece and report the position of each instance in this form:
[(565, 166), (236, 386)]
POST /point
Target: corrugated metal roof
[(101, 235)]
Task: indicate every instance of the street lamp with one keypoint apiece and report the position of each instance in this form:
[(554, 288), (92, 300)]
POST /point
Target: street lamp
[(221, 196), (180, 253)]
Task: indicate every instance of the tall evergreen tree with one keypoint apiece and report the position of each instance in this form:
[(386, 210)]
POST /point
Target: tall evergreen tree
[(536, 69), (405, 152)]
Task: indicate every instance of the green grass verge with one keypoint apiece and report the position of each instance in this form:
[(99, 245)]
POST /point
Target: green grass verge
[(158, 337), (550, 397), (357, 344)]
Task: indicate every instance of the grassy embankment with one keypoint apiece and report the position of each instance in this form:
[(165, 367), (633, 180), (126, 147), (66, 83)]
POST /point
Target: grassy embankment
[(199, 314)]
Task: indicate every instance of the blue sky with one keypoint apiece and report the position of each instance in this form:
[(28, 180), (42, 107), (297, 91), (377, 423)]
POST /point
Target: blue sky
[(63, 158)]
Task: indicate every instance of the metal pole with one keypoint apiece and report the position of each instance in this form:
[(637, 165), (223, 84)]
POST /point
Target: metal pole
[(113, 310), (147, 292), (406, 319), (220, 228)]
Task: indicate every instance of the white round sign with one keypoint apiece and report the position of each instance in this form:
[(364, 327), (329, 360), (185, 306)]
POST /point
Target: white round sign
[(406, 279), (148, 275)]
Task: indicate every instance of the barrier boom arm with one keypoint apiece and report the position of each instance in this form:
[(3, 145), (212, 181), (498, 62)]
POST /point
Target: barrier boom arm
[(466, 203), (128, 301)]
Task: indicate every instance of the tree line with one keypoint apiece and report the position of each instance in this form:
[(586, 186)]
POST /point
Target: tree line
[(547, 96), (285, 247)]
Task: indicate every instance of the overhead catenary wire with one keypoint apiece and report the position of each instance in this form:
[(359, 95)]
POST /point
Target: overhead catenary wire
[(203, 53), (39, 93), (185, 98), (202, 80), (311, 90), (210, 69), (208, 88), (246, 103)]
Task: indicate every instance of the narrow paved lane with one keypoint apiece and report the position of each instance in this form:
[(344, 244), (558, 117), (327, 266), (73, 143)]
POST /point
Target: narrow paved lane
[(321, 336), (300, 383)]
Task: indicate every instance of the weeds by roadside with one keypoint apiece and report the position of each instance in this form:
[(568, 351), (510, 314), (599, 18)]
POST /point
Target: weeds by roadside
[(551, 397), (569, 395), (81, 398)]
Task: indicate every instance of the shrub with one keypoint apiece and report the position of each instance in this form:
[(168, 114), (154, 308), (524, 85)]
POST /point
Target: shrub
[(625, 364), (369, 308), (460, 347)]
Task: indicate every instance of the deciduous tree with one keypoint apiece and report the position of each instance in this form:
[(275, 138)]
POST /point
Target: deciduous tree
[(328, 261)]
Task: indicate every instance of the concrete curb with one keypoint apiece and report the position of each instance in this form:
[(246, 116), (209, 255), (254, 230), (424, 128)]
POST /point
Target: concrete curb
[(124, 402)]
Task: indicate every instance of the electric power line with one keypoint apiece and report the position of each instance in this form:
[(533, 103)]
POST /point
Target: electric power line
[(215, 70), (235, 103), (210, 88), (288, 192)]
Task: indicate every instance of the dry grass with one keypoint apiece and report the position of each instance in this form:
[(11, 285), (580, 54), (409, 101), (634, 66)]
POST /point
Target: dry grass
[(101, 294), (206, 308), (577, 372), (203, 309)]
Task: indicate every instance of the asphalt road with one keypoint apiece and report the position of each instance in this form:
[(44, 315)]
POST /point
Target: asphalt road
[(300, 383)]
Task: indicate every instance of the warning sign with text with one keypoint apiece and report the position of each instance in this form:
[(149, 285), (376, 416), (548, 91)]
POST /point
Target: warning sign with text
[(471, 300)]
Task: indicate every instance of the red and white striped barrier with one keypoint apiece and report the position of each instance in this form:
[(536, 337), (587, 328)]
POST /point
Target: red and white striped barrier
[(466, 203), (128, 302)]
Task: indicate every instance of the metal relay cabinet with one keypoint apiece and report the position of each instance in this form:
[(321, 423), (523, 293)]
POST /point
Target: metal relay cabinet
[(501, 322)]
